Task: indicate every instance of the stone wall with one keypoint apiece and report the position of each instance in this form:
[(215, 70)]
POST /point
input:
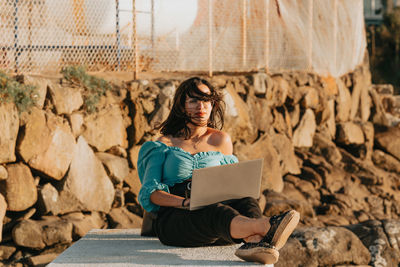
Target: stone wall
[(329, 147)]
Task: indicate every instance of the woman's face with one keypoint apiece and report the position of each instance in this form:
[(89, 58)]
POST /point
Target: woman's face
[(199, 111)]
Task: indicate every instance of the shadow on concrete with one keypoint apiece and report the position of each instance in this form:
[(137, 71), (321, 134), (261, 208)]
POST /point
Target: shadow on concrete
[(128, 248)]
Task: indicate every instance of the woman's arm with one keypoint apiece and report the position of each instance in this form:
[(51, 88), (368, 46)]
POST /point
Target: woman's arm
[(162, 198)]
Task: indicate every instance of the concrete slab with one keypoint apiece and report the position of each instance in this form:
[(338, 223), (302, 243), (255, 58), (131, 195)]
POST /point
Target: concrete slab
[(127, 248)]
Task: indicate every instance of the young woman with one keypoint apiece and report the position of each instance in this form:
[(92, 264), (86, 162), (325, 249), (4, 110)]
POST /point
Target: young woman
[(191, 139)]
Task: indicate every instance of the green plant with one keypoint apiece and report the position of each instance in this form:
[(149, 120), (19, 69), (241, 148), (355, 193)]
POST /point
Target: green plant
[(93, 87), (23, 96)]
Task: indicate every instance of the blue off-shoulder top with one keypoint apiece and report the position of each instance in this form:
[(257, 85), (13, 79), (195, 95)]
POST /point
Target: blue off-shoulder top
[(161, 166)]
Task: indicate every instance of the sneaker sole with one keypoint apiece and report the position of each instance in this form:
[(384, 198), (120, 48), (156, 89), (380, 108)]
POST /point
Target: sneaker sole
[(285, 229), (260, 255)]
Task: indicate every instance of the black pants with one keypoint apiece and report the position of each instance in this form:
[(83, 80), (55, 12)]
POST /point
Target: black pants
[(206, 226)]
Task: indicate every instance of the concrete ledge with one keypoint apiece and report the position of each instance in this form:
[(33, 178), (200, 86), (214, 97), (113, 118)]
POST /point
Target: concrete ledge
[(127, 248)]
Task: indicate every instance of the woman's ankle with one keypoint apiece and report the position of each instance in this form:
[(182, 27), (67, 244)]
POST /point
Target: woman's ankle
[(253, 239), (264, 226)]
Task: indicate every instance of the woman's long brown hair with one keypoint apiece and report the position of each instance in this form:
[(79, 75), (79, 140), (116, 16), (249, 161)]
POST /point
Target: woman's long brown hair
[(177, 120)]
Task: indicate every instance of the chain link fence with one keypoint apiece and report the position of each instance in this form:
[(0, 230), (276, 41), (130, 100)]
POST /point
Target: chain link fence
[(326, 37)]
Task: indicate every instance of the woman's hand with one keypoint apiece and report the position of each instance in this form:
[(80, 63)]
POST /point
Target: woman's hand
[(162, 198), (186, 203)]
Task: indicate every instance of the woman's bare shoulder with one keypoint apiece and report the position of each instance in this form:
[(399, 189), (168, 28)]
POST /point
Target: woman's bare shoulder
[(165, 139), (222, 141)]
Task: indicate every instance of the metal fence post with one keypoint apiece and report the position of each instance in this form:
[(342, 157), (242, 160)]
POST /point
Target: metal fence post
[(244, 32), (210, 39), (152, 27), (335, 29), (135, 43), (118, 34), (16, 53), (266, 35), (310, 48)]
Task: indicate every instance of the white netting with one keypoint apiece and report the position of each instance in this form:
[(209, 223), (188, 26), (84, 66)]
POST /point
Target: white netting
[(325, 36)]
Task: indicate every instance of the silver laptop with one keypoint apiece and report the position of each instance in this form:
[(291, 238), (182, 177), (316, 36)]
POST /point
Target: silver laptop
[(220, 183)]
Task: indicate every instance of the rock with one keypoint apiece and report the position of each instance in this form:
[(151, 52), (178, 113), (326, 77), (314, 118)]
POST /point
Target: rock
[(148, 105), (322, 111), (167, 91), (41, 88), (43, 259), (262, 83), (105, 129), (119, 199), (18, 257), (87, 180), (53, 202), (383, 89), (282, 123), (237, 119), (260, 113), (133, 182), (9, 125), (296, 94), (291, 190), (28, 233), (3, 173), (117, 167), (329, 85), (3, 209), (56, 232), (330, 123), (141, 126), (65, 99), (76, 121), (19, 189), (109, 98), (133, 155), (302, 190), (378, 113), (48, 144), (240, 85), (160, 116), (143, 105), (373, 236), (368, 145), (330, 246), (333, 220), (218, 81), (121, 218), (271, 174), (278, 203), (349, 133), (301, 78), (82, 224), (285, 149), (276, 96), (322, 146), (334, 179), (304, 133), (118, 151), (343, 102), (294, 114), (7, 251), (360, 84), (389, 141), (385, 161), (310, 99), (392, 230), (49, 201), (365, 104)]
